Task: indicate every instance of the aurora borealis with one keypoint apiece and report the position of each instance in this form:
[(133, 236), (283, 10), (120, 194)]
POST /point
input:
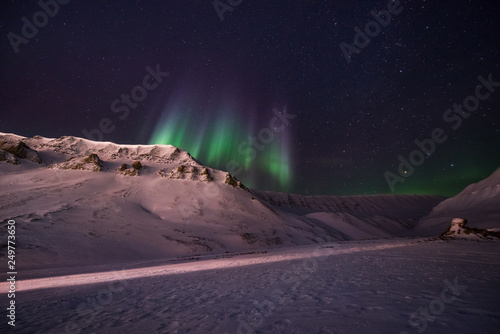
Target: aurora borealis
[(226, 78), (219, 138)]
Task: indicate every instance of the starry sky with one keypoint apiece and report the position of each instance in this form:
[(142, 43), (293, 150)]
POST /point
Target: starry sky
[(307, 97)]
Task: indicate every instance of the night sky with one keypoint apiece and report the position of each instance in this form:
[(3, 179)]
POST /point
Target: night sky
[(276, 92)]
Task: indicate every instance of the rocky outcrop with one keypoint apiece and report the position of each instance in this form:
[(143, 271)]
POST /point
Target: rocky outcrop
[(188, 172), (19, 150), (134, 170), (8, 157), (234, 182), (92, 162), (478, 202), (459, 230)]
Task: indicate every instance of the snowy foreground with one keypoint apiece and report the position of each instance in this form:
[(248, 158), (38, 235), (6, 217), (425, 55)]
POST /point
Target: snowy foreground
[(384, 286)]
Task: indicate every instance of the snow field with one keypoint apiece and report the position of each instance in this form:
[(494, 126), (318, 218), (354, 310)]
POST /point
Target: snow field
[(354, 287)]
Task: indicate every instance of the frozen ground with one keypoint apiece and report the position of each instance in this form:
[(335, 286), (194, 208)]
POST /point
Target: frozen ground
[(341, 287)]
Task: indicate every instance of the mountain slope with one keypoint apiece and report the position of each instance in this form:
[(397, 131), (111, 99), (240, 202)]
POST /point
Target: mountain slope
[(357, 217), (479, 203)]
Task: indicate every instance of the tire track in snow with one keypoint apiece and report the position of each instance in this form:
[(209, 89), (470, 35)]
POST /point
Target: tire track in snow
[(173, 269)]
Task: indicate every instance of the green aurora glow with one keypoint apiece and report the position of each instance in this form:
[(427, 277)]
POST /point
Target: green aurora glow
[(217, 140)]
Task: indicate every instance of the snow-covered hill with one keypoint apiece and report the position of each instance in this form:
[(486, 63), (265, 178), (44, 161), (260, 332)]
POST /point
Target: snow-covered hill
[(82, 202), (356, 217), (126, 239), (479, 203)]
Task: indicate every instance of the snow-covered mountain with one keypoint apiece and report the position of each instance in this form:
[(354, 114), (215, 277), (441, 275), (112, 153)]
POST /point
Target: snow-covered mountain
[(479, 203), (79, 201), (130, 239)]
